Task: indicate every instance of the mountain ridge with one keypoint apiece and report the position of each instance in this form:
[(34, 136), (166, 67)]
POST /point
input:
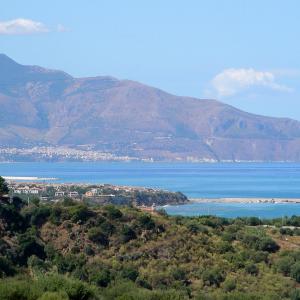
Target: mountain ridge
[(126, 117)]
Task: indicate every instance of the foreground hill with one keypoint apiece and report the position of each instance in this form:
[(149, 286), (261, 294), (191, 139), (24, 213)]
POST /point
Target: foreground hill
[(41, 107), (71, 251)]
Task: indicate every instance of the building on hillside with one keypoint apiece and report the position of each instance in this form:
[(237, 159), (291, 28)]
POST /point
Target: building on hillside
[(91, 193), (59, 194), (150, 209), (27, 190), (73, 194)]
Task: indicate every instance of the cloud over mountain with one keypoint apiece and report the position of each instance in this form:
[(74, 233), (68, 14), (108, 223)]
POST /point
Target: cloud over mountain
[(231, 81), (42, 107)]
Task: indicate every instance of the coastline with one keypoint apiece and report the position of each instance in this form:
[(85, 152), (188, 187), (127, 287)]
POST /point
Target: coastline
[(244, 200)]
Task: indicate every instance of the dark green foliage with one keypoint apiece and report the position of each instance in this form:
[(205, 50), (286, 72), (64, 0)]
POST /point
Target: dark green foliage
[(17, 203), (6, 267), (127, 234), (11, 217), (29, 245), (267, 244), (40, 215), (286, 231), (179, 274), (69, 263), (80, 213), (295, 271), (258, 242), (97, 236), (213, 276), (3, 187), (130, 273), (229, 285), (112, 212), (107, 228), (101, 277), (284, 264), (295, 295), (252, 269), (146, 222), (46, 287)]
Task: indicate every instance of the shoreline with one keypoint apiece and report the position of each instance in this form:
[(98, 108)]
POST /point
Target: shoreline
[(244, 200)]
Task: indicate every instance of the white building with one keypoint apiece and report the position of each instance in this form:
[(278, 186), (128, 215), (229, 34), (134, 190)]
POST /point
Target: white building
[(59, 194), (73, 194), (27, 190)]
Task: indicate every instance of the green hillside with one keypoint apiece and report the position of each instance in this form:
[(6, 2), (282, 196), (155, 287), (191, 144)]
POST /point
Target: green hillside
[(69, 250)]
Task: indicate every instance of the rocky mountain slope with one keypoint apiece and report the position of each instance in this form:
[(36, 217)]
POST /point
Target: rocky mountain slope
[(41, 107)]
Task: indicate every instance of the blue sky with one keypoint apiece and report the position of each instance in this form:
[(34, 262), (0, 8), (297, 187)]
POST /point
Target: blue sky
[(245, 53)]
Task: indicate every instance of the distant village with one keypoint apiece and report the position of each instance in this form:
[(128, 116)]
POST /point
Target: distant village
[(146, 198)]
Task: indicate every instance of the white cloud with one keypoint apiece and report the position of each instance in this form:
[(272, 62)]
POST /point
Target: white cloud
[(232, 81), (21, 26)]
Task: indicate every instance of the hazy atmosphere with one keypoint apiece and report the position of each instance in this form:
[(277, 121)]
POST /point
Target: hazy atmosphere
[(191, 49)]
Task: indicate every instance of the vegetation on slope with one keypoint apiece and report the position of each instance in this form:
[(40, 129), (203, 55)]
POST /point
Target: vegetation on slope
[(72, 251)]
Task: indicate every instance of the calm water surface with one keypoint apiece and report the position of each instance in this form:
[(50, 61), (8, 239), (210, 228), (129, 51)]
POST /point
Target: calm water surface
[(266, 180)]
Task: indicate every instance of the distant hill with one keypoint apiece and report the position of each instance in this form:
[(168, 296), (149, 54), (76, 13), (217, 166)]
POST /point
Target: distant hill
[(41, 107)]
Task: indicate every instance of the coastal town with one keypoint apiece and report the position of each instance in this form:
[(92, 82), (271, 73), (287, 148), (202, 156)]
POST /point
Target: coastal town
[(146, 198), (61, 153)]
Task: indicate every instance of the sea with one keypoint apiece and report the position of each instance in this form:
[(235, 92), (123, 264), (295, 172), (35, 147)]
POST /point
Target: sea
[(196, 180)]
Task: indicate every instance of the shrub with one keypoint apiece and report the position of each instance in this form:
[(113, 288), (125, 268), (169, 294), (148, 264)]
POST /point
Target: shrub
[(29, 245), (6, 268), (97, 236), (112, 212), (130, 273), (107, 228), (267, 244), (295, 271), (80, 213), (286, 231), (213, 277), (127, 234), (284, 265), (146, 222), (252, 269), (40, 215), (179, 274), (101, 278), (229, 285)]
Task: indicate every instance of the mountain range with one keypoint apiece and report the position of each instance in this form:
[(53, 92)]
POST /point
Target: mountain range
[(41, 107)]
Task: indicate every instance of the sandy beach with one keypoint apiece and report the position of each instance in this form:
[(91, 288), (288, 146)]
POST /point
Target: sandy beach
[(245, 200)]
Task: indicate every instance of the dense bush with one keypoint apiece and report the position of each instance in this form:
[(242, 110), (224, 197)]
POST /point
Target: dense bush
[(97, 236), (112, 212), (127, 234)]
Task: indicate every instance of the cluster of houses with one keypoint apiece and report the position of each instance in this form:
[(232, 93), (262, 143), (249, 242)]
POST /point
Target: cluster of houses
[(62, 191), (28, 190), (72, 194)]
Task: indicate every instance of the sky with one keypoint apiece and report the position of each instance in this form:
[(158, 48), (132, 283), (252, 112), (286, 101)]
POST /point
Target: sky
[(244, 53)]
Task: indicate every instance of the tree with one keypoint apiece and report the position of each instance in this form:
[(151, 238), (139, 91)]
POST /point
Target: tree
[(127, 234), (295, 271), (3, 187), (213, 277), (284, 264), (97, 236), (267, 244)]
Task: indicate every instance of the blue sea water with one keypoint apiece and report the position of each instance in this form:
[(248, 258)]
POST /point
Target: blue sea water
[(232, 210), (266, 180)]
